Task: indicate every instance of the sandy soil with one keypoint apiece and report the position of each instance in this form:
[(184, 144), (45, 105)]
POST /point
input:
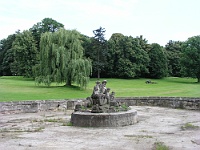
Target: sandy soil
[(50, 131)]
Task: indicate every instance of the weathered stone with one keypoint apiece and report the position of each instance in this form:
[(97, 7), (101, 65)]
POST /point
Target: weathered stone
[(84, 119), (46, 105), (33, 108), (70, 104)]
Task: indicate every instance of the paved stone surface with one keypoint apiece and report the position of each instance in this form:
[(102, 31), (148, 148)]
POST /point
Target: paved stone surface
[(48, 131)]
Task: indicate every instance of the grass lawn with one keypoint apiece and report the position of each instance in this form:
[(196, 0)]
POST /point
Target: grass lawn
[(15, 88)]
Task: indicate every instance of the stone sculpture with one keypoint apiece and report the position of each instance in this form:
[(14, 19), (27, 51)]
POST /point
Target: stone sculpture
[(102, 100), (102, 110)]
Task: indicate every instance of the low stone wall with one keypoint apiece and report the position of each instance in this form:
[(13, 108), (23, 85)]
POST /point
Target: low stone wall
[(36, 106), (47, 105), (190, 103)]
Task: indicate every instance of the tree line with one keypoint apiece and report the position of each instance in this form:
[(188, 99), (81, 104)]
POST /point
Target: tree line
[(49, 53)]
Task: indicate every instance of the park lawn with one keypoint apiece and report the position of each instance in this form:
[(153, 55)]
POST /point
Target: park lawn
[(15, 88), (171, 86)]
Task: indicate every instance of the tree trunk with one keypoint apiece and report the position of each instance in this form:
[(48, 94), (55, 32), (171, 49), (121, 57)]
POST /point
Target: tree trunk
[(68, 83), (98, 74), (198, 79)]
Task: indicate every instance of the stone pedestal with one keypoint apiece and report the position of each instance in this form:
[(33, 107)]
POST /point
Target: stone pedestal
[(118, 119)]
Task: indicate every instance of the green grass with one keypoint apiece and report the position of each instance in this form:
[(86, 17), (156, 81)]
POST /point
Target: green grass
[(15, 88), (189, 126), (160, 146)]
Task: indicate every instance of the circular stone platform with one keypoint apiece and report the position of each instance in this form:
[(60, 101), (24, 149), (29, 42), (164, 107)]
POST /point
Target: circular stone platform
[(117, 119)]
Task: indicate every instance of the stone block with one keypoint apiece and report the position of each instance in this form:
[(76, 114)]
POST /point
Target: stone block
[(87, 119)]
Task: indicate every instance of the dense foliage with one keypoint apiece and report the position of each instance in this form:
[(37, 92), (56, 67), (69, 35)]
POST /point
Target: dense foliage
[(174, 52), (158, 62), (25, 54), (61, 59), (48, 52), (46, 25), (99, 52), (191, 57), (6, 55), (127, 58)]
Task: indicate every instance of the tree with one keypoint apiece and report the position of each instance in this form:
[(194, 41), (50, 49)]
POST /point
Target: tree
[(158, 62), (61, 59), (143, 43), (141, 57), (88, 49), (100, 51), (46, 25), (191, 57), (127, 59), (25, 54), (174, 52), (7, 62), (120, 55), (6, 54)]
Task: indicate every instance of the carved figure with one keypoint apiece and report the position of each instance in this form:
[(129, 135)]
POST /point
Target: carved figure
[(101, 99), (95, 94), (103, 87), (112, 96), (107, 95)]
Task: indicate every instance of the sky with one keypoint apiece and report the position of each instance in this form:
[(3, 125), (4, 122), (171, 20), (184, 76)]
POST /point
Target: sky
[(157, 20)]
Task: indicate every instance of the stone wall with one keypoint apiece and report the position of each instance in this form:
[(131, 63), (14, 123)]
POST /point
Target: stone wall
[(171, 102), (47, 105), (36, 106)]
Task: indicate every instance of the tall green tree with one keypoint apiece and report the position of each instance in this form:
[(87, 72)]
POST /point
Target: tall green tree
[(127, 58), (87, 46), (46, 25), (6, 55), (121, 53), (99, 51), (191, 57), (7, 62), (25, 54), (158, 61), (141, 57), (174, 52), (61, 59)]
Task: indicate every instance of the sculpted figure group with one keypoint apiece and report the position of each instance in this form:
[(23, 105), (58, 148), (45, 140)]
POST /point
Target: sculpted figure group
[(101, 100), (101, 95)]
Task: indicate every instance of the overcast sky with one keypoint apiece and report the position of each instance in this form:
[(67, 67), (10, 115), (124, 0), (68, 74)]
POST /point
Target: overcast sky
[(157, 20)]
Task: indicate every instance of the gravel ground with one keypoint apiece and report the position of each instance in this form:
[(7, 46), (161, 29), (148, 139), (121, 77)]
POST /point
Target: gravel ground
[(175, 128)]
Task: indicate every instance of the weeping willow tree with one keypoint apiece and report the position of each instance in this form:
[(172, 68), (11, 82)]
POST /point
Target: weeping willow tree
[(61, 59)]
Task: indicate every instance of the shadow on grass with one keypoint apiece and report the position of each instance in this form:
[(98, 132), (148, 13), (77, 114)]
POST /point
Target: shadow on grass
[(17, 78), (74, 87)]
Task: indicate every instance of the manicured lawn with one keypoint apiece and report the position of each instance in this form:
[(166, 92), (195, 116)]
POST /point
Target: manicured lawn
[(18, 88)]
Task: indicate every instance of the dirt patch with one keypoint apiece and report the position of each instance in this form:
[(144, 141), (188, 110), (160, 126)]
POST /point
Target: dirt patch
[(50, 130)]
